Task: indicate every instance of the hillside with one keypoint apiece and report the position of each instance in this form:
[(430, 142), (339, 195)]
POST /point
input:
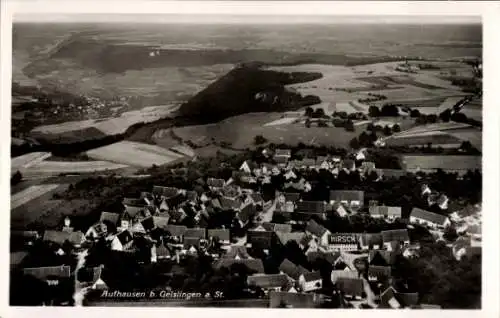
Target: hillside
[(248, 89)]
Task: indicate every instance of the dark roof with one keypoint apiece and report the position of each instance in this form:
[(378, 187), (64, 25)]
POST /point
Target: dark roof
[(191, 195), (43, 273), (428, 216), (392, 173), (395, 235), (268, 281), (407, 299), (283, 152), (176, 230), (286, 228), (222, 234), (347, 163), (109, 217), (311, 207), (247, 212), (91, 275), (293, 236), (230, 191), (347, 195), (393, 211), (316, 229), (350, 286), (195, 232), (312, 276), (216, 203), (213, 182), (177, 214), (125, 237), (16, 258), (371, 239), (189, 241), (229, 204), (134, 201), (281, 159), (148, 223), (133, 211), (165, 191), (260, 238), (386, 296), (254, 265), (290, 269), (293, 300), (291, 196)]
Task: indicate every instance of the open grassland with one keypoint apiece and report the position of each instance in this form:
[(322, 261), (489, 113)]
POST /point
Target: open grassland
[(447, 163), (281, 121), (435, 138), (27, 160), (474, 135), (134, 154), (30, 193), (49, 168)]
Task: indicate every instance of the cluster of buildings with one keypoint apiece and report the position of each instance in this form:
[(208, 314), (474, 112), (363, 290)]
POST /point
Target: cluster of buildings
[(360, 263)]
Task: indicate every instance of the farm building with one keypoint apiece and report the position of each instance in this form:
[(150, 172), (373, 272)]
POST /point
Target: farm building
[(353, 199), (431, 163), (431, 219)]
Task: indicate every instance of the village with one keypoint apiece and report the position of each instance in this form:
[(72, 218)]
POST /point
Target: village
[(230, 238)]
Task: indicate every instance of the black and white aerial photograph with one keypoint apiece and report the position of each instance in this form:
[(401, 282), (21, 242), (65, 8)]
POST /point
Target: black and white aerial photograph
[(257, 161)]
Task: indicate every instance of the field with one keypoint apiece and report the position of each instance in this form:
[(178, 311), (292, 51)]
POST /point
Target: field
[(281, 121), (48, 168), (27, 160), (109, 126), (31, 193), (134, 154), (447, 163)]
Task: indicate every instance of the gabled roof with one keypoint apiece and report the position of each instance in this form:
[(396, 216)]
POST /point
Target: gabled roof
[(347, 195), (262, 238), (254, 265), (291, 196), (229, 204), (388, 211), (191, 241), (381, 257), (90, 275), (177, 214), (247, 212), (312, 276), (134, 201), (388, 299), (381, 272), (395, 235), (132, 211), (138, 228), (165, 191), (428, 216), (293, 236), (336, 274), (216, 203), (283, 152), (176, 230), (124, 237), (268, 281), (44, 273), (311, 207), (286, 228), (350, 286), (290, 269), (60, 237), (291, 300), (148, 223), (407, 299), (110, 217), (16, 258), (191, 195), (222, 234), (162, 251), (161, 221), (195, 232)]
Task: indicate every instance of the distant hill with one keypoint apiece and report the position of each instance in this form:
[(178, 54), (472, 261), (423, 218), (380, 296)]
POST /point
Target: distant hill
[(248, 88)]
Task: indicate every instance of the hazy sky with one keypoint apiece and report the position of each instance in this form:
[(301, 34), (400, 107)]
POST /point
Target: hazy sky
[(234, 19)]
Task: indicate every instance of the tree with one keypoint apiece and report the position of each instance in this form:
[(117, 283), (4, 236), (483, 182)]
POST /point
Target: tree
[(322, 123), (466, 146), (308, 123), (396, 128), (319, 113), (370, 127), (389, 110), (414, 113), (349, 126), (354, 143), (387, 131), (459, 117), (450, 234), (259, 140), (432, 119), (445, 115), (16, 178), (309, 111), (374, 111)]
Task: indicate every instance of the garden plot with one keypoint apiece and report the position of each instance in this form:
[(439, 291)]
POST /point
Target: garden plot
[(134, 154)]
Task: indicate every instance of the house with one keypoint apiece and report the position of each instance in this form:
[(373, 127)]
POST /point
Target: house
[(237, 252), (60, 237), (379, 273), (91, 277), (311, 207), (199, 233), (110, 218), (231, 191), (351, 287), (381, 257), (262, 239), (399, 236), (228, 204), (309, 244), (256, 198), (96, 231), (163, 253), (164, 192), (390, 298), (222, 235), (293, 236), (137, 228), (277, 227), (289, 197), (342, 242), (122, 241), (267, 282), (281, 160), (351, 198), (191, 196), (337, 274), (310, 281), (290, 175), (348, 165), (215, 184), (442, 202), (247, 166), (388, 212), (52, 275), (318, 231), (323, 163), (283, 152), (246, 213), (291, 270), (175, 232), (463, 247), (431, 219), (370, 241), (17, 258), (340, 209), (291, 300), (254, 265)]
